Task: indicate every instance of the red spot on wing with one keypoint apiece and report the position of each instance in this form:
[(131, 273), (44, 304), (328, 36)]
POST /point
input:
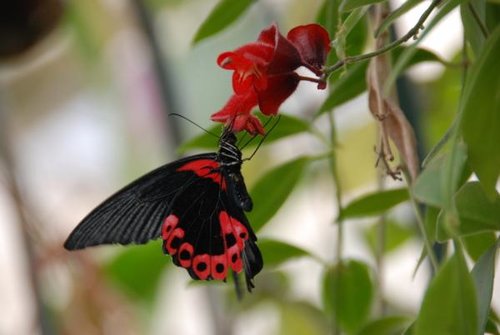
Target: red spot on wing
[(205, 168), (206, 266), (218, 266), (168, 226), (185, 255), (201, 266), (174, 240), (231, 226)]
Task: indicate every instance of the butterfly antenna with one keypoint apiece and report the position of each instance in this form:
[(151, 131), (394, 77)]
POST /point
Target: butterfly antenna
[(263, 138), (193, 123)]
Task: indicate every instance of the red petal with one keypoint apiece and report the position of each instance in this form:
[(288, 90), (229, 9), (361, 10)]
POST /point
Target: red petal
[(286, 57), (279, 88), (238, 104), (254, 126), (249, 63), (313, 43)]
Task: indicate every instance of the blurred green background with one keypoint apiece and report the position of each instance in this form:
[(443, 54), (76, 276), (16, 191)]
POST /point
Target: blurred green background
[(85, 92)]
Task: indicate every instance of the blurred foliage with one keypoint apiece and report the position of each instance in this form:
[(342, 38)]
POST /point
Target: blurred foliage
[(455, 200)]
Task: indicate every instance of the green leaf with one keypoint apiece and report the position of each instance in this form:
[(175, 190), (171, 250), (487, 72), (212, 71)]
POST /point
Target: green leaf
[(301, 318), (348, 294), (430, 186), (483, 274), (481, 114), (449, 305), (472, 29), (395, 235), (348, 5), (271, 191), (203, 141), (476, 211), (374, 203), (420, 55), (405, 7), (287, 126), (224, 13), (388, 325), (477, 244), (137, 270), (328, 16), (276, 252), (430, 221), (350, 84)]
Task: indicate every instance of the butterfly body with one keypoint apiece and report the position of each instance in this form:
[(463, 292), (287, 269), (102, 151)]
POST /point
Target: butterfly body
[(195, 204)]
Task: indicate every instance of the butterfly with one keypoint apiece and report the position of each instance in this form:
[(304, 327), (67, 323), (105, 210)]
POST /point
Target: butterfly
[(196, 205)]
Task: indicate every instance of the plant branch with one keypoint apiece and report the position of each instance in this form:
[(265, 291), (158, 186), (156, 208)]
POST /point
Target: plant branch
[(412, 33)]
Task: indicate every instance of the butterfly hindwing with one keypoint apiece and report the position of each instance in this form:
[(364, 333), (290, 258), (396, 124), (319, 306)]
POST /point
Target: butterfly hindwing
[(206, 232)]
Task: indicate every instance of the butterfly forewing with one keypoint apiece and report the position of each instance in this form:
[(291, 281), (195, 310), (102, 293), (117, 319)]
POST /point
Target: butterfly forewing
[(135, 213)]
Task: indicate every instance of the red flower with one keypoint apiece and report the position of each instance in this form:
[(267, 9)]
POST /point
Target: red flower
[(264, 73)]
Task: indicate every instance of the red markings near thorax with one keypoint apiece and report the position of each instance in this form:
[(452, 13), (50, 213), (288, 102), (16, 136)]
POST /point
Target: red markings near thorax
[(205, 168)]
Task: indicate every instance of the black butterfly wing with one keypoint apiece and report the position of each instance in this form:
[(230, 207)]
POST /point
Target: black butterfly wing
[(206, 231), (187, 203), (135, 213)]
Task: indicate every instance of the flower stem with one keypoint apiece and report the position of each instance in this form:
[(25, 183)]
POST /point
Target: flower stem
[(412, 33)]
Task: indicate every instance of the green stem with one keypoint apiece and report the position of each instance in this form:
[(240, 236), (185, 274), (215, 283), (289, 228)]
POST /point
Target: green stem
[(421, 227), (412, 33), (338, 202)]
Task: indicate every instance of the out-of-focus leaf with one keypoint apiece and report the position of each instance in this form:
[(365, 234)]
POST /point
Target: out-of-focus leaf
[(203, 141), (405, 7), (300, 318), (389, 325), (449, 305), (472, 29), (277, 252), (420, 55), (328, 16), (349, 85), (477, 212), (481, 118), (348, 5), (430, 221), (492, 326), (430, 187), (287, 126), (492, 14), (477, 244), (395, 235), (224, 13), (271, 191), (137, 270), (348, 294), (374, 203), (483, 274)]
